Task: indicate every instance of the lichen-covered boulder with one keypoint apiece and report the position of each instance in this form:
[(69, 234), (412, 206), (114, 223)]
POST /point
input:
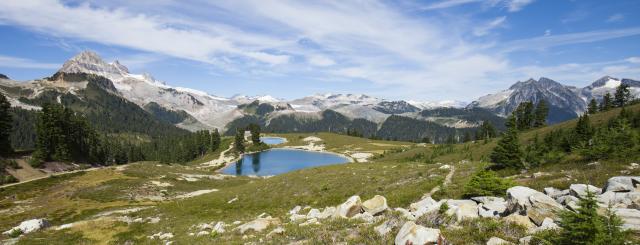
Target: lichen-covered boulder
[(410, 233)]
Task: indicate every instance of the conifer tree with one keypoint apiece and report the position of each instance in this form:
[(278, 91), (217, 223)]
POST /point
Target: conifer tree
[(5, 126), (239, 140), (606, 103), (540, 114), (586, 226), (583, 130), (507, 154), (255, 133), (622, 95), (215, 140), (593, 106)]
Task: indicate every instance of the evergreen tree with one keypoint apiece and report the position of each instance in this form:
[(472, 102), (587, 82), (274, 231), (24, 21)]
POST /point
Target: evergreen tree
[(215, 140), (255, 133), (239, 140), (583, 130), (5, 126), (507, 153), (486, 131), (593, 106), (622, 95), (586, 226), (467, 137), (540, 114), (606, 103)]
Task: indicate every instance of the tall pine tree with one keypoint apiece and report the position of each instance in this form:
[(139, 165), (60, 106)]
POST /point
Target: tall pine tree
[(606, 103), (622, 95), (540, 114), (507, 154), (593, 106), (239, 140), (5, 126)]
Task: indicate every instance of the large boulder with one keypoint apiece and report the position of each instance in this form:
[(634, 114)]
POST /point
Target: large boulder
[(580, 190), (555, 193), (630, 217), (258, 224), (348, 209), (424, 206), (623, 184), (535, 204), (521, 220), (462, 209), (29, 226), (494, 205), (569, 201), (375, 205), (498, 241), (620, 199), (410, 233), (547, 224), (386, 227), (406, 213)]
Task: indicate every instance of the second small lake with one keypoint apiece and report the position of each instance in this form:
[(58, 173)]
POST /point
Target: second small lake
[(278, 161), (273, 140)]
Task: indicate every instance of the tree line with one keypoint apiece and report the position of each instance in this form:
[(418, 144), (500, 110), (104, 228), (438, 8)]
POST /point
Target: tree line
[(67, 136), (617, 139)]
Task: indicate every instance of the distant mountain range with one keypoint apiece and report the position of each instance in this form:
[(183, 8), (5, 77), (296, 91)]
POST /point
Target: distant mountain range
[(193, 110)]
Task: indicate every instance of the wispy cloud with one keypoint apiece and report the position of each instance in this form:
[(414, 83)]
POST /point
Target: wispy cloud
[(493, 24), (615, 17), (544, 42), (17, 62), (510, 5)]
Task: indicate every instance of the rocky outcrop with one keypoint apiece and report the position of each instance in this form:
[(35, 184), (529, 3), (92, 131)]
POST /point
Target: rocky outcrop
[(623, 184), (532, 203), (258, 224), (462, 209), (351, 207), (580, 190), (29, 226), (630, 217), (375, 205), (410, 233), (490, 206), (498, 241)]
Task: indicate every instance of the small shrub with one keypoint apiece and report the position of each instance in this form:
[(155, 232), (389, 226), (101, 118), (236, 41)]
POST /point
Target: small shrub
[(15, 233), (486, 183), (443, 208)]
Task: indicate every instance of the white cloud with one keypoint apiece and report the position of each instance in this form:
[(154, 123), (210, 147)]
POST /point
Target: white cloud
[(319, 60), (119, 27), (615, 17), (635, 60), (16, 62), (517, 5), (448, 4), (544, 42), (547, 32), (489, 26)]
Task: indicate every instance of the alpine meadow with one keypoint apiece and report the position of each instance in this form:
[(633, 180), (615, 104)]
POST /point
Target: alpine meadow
[(320, 122)]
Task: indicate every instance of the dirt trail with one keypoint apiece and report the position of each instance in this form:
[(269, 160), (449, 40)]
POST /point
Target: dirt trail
[(447, 180), (26, 172)]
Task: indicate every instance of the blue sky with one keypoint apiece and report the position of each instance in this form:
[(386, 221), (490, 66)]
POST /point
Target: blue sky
[(419, 50)]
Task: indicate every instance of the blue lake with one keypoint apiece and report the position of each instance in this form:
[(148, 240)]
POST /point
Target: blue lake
[(278, 161), (273, 140)]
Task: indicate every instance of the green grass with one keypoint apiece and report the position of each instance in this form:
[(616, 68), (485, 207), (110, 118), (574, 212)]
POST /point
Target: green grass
[(400, 171)]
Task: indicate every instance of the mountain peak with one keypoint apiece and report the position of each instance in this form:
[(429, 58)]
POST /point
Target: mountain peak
[(90, 62)]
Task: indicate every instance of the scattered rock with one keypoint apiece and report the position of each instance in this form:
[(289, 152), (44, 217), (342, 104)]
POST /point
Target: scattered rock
[(406, 213), (535, 204), (295, 210), (522, 220), (232, 200), (375, 205), (161, 184), (497, 204), (410, 233), (366, 217), (630, 217), (423, 206), (277, 231), (497, 241), (540, 174), (555, 193), (386, 227), (580, 190), (462, 209), (29, 226), (351, 207), (547, 224), (623, 184), (258, 224), (161, 236), (313, 213), (313, 221), (195, 193), (445, 167), (569, 201)]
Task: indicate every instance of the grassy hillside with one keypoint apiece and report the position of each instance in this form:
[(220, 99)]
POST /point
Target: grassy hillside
[(400, 171)]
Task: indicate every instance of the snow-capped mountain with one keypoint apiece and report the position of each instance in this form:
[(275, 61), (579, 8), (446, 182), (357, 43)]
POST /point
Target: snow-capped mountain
[(565, 102), (212, 111), (606, 85)]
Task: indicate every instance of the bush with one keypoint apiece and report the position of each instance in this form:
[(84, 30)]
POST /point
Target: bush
[(486, 183)]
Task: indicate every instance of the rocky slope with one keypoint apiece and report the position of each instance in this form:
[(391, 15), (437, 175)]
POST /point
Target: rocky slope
[(565, 102)]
